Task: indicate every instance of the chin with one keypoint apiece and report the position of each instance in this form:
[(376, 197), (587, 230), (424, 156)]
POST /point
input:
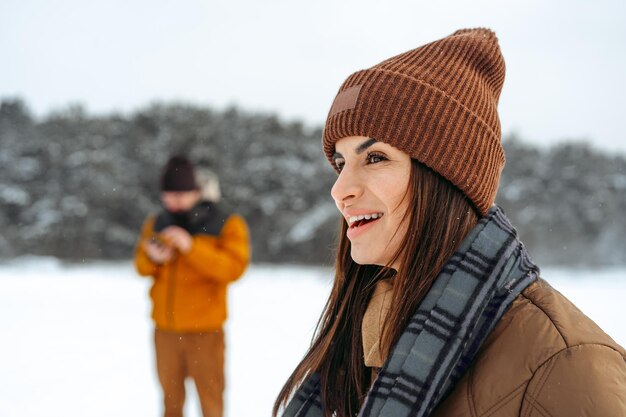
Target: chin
[(362, 258)]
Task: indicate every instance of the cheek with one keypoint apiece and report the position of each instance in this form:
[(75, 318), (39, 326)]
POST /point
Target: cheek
[(397, 201), (394, 195), (172, 203)]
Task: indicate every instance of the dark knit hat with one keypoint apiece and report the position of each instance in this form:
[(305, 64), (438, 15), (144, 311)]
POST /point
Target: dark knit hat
[(178, 175), (437, 103)]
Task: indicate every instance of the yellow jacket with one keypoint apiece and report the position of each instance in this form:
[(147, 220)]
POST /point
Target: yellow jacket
[(189, 291)]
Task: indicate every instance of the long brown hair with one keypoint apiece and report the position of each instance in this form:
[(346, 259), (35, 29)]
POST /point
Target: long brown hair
[(438, 219)]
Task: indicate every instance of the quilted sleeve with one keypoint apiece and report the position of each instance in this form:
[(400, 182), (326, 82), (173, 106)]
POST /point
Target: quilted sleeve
[(582, 380)]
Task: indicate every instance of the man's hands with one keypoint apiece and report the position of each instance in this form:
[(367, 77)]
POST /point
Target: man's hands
[(170, 240), (178, 238), (157, 251)]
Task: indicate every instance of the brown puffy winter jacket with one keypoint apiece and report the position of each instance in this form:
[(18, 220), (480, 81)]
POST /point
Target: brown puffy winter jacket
[(544, 359)]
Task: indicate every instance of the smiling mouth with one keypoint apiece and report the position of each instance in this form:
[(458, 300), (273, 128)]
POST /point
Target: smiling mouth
[(358, 221)]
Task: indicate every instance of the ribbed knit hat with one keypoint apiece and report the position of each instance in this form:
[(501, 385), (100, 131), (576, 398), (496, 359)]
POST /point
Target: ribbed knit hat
[(178, 175), (437, 103)]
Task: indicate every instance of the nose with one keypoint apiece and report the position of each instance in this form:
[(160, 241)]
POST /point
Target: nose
[(347, 187)]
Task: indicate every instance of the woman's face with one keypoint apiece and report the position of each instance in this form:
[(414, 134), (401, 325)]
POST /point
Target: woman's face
[(371, 194)]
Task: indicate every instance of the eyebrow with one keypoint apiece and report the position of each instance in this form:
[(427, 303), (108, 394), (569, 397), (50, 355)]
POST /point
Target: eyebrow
[(359, 149), (362, 147)]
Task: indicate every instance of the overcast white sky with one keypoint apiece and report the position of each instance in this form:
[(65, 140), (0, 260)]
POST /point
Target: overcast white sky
[(566, 61)]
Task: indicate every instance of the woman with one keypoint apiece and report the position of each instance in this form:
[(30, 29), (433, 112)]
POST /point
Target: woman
[(436, 308)]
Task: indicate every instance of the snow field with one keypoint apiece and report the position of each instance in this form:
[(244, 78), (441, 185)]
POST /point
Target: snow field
[(77, 340)]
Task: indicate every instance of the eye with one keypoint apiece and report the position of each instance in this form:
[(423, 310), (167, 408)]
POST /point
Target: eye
[(375, 157), (339, 163)]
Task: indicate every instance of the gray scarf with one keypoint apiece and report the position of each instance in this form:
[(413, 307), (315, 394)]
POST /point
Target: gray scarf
[(467, 299)]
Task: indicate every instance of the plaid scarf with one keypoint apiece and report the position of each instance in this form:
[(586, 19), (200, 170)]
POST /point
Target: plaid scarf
[(467, 299)]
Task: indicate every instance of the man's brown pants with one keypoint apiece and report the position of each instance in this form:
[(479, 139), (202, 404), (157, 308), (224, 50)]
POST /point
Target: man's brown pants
[(199, 356)]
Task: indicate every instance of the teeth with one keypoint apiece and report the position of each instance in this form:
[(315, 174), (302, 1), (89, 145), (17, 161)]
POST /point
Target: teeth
[(353, 219)]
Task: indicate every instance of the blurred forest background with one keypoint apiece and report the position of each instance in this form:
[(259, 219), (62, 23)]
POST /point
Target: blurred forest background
[(78, 186)]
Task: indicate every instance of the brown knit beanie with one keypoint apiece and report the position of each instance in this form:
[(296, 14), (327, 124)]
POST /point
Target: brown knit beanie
[(437, 103), (178, 175)]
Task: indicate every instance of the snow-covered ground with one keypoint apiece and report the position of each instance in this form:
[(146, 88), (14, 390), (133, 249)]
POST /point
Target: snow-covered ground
[(76, 340)]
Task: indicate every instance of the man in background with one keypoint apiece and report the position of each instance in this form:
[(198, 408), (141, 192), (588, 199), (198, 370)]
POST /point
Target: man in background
[(192, 250)]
